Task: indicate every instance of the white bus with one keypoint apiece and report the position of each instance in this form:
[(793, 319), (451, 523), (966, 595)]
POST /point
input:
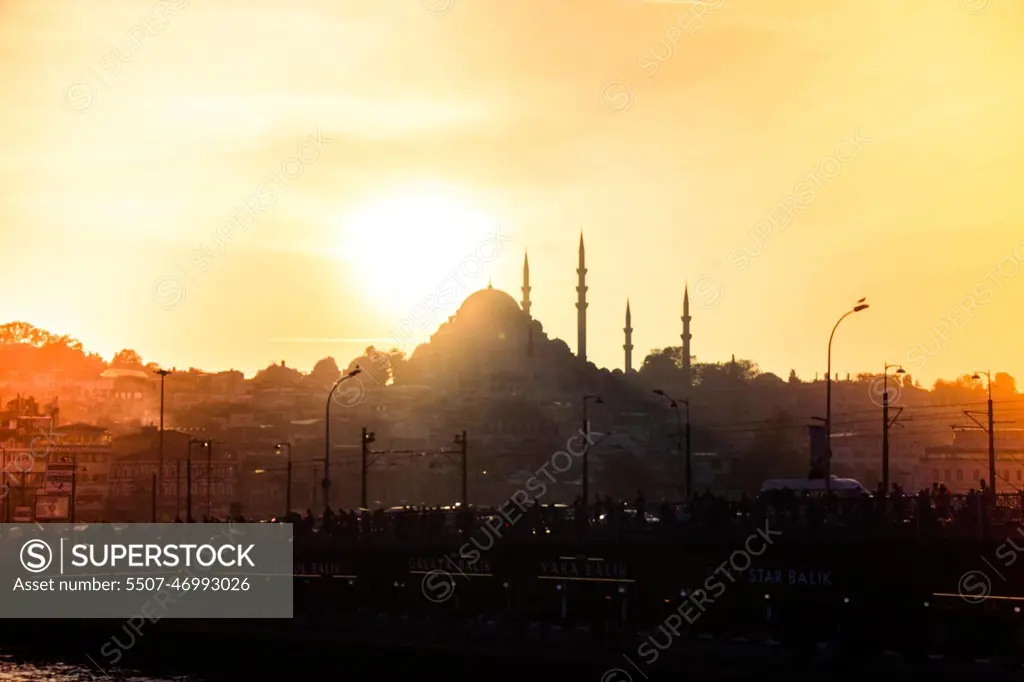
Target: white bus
[(844, 487)]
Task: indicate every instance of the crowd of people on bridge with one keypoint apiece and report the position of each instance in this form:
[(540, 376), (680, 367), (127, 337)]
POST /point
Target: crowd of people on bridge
[(929, 510)]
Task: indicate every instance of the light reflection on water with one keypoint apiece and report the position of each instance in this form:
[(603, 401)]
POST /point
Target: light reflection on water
[(12, 670)]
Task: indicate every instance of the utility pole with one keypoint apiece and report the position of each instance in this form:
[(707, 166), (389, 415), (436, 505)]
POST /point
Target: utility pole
[(154, 498), (885, 440), (366, 438), (991, 442), (991, 432), (886, 424)]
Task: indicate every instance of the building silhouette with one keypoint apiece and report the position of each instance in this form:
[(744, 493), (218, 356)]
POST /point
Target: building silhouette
[(492, 338), (628, 346)]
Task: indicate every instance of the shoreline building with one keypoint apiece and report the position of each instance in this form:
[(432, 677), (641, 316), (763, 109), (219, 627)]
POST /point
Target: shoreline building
[(49, 468)]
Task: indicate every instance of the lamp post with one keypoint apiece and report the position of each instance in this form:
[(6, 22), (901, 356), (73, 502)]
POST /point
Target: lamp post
[(364, 462), (315, 463), (859, 306), (177, 490), (674, 404), (7, 485), (991, 433), (587, 397), (288, 495), (885, 424), (327, 437), (74, 485), (209, 478), (162, 373), (460, 440), (188, 478)]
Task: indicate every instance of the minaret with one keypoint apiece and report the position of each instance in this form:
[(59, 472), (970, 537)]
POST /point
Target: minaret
[(628, 347), (581, 305), (526, 285), (686, 336)]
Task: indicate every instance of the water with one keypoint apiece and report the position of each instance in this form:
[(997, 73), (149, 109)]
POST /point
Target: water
[(15, 668)]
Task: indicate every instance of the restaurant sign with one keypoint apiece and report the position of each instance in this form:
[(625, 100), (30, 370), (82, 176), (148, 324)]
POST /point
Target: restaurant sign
[(584, 569), (449, 564), (790, 577), (322, 568)]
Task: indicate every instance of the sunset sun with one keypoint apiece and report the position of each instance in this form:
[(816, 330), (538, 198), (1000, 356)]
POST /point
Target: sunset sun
[(401, 248)]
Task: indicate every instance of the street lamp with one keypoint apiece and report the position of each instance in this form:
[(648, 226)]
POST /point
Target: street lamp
[(991, 433), (162, 373), (587, 397), (885, 423), (858, 306), (460, 440), (327, 437), (74, 484), (673, 403), (813, 467), (209, 477), (7, 485), (288, 495), (188, 476)]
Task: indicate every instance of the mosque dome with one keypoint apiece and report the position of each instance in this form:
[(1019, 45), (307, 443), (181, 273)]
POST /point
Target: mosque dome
[(490, 304)]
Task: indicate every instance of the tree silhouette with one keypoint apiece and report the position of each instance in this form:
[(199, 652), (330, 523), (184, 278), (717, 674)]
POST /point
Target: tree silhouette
[(126, 359), (378, 367), (1004, 386), (325, 371), (26, 350), (725, 374), (23, 332), (398, 365), (277, 376), (659, 363)]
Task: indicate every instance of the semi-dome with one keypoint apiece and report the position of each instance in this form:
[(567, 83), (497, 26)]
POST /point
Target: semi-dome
[(489, 303)]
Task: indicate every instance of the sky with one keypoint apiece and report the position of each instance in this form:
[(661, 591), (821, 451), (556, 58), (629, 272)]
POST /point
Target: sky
[(226, 184)]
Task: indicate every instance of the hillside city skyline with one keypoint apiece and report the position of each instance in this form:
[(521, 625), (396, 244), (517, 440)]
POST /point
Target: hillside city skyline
[(632, 338), (250, 373)]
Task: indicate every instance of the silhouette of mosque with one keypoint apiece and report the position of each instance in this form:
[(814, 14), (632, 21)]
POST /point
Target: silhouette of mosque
[(494, 340)]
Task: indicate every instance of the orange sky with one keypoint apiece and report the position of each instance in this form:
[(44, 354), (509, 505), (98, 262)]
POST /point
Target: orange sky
[(674, 139)]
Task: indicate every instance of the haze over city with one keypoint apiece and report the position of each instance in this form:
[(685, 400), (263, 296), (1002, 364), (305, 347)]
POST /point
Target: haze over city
[(607, 340), (679, 144)]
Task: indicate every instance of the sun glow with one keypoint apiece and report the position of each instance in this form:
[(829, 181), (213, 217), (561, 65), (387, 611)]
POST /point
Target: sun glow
[(406, 247)]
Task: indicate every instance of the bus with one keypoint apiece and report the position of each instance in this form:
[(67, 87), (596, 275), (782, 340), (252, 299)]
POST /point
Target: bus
[(843, 487)]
